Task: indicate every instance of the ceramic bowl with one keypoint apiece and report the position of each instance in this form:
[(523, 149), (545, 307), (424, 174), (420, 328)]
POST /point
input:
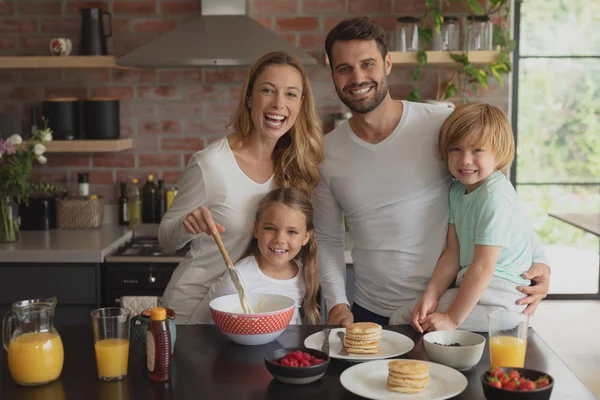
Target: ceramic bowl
[(296, 375), (464, 356), (494, 393), (272, 314)]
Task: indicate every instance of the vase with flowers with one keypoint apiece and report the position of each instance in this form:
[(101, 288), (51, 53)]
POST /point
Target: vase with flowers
[(16, 162)]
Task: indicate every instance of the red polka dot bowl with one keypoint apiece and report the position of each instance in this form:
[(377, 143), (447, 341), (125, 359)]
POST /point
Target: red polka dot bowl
[(272, 314)]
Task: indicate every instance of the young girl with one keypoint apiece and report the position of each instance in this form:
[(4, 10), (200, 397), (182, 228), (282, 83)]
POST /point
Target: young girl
[(488, 241), (282, 258)]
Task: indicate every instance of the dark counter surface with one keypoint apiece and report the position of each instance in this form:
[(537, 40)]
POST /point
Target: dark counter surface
[(207, 365)]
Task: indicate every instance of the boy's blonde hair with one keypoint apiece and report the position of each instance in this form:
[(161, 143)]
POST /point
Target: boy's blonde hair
[(480, 125)]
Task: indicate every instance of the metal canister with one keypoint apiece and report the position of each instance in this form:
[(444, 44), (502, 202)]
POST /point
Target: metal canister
[(171, 193)]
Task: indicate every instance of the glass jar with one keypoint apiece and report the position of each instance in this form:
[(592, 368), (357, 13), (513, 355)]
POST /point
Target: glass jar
[(479, 32), (9, 220), (407, 34), (448, 38)]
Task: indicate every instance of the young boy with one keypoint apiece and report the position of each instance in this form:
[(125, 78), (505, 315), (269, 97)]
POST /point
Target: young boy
[(488, 241)]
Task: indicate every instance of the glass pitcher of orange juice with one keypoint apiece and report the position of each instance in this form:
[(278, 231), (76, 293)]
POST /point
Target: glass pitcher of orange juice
[(35, 351)]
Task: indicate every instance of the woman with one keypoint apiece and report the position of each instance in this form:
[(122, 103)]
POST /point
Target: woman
[(277, 142)]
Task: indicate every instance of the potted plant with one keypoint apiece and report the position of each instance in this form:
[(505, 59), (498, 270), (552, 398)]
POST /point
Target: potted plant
[(16, 159), (467, 76)]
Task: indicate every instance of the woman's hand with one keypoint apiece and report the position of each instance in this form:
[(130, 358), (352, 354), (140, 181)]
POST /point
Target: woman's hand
[(200, 221), (540, 275), (439, 322)]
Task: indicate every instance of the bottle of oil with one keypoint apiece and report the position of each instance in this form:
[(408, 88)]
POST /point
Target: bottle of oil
[(161, 205), (123, 205), (158, 346), (149, 200), (134, 204)]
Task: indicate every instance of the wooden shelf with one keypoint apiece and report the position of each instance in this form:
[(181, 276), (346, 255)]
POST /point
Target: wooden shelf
[(440, 57), (88, 146), (18, 62)]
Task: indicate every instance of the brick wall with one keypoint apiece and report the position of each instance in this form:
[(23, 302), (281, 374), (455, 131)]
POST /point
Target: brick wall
[(171, 113)]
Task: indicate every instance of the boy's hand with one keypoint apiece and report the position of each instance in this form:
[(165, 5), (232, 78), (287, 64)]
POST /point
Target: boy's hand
[(439, 322), (426, 305)]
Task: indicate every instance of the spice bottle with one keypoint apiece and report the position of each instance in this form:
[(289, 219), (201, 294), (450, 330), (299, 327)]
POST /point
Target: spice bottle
[(84, 186), (123, 205), (158, 346)]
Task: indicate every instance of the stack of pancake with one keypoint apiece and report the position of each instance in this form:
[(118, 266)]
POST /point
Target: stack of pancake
[(407, 376), (362, 338)]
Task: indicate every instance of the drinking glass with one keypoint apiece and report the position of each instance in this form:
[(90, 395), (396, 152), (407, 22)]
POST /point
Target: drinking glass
[(508, 338), (111, 342)]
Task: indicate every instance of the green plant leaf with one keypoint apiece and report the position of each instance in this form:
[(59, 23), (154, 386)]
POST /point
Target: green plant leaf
[(414, 96), (422, 57), (494, 71), (416, 75), (460, 58), (450, 91), (475, 7), (425, 36), (438, 19), (429, 3)]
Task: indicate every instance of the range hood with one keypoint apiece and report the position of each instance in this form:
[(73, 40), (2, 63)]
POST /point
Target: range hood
[(222, 36)]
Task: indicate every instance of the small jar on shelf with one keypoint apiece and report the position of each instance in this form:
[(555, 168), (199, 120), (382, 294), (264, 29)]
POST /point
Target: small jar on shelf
[(480, 33), (407, 34), (448, 38)]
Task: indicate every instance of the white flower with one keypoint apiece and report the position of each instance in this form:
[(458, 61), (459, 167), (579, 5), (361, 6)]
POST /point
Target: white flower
[(15, 139), (42, 159), (39, 149), (46, 135)]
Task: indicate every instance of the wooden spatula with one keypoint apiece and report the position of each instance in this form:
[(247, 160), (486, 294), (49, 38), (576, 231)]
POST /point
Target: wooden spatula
[(233, 274)]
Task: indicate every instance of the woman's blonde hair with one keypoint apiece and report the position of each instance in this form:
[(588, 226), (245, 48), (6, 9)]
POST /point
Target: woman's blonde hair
[(480, 125), (298, 201), (299, 152)]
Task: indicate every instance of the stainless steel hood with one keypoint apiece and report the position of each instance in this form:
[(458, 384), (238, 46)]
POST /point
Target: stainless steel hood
[(222, 36)]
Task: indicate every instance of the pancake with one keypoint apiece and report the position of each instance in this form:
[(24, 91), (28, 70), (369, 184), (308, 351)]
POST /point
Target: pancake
[(362, 338), (407, 376)]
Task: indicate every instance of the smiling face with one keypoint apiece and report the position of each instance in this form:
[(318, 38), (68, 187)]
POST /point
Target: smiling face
[(275, 100), (281, 233), (471, 164), (360, 74)]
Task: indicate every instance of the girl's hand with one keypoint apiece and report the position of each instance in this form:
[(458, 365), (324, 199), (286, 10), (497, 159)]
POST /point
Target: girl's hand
[(425, 305), (200, 221), (439, 322)]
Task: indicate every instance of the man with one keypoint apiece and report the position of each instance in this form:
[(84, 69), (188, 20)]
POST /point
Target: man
[(382, 173)]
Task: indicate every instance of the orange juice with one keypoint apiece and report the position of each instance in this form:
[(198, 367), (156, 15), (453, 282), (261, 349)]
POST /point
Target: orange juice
[(507, 351), (111, 358), (35, 358)]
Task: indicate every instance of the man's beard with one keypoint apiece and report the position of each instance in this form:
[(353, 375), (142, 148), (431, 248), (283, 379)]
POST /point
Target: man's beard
[(364, 106)]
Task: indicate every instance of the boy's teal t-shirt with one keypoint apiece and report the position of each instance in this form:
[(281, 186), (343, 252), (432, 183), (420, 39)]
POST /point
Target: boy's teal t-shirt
[(491, 215)]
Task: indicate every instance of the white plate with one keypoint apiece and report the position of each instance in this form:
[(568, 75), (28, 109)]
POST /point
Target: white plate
[(368, 380), (392, 344)]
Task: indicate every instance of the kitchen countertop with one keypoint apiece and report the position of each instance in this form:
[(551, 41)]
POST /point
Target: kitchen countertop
[(65, 246)]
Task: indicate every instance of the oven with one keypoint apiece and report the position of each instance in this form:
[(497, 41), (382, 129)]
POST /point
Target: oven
[(139, 268)]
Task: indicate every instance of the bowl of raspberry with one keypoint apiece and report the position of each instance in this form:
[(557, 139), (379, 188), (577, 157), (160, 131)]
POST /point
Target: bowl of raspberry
[(297, 366)]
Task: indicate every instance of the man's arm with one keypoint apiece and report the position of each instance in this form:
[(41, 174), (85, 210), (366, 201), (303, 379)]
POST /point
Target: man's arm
[(328, 222)]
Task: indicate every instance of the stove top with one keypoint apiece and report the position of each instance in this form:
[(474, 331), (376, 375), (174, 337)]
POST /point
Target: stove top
[(146, 249)]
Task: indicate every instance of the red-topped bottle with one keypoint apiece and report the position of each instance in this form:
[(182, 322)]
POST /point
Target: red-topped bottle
[(158, 346)]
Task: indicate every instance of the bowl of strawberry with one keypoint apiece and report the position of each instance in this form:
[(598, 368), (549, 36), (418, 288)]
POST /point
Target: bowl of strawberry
[(516, 383), (297, 366)]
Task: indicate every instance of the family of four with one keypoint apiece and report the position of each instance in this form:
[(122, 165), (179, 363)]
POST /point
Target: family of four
[(440, 237)]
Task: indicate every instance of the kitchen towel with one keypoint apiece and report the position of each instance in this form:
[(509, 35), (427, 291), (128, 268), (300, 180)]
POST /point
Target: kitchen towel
[(137, 304)]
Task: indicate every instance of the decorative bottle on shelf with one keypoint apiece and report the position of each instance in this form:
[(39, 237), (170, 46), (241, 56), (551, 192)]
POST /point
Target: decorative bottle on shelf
[(123, 205), (149, 200), (158, 346), (134, 204), (161, 205), (84, 185)]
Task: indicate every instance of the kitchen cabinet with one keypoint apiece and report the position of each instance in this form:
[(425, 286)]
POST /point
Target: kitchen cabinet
[(76, 286), (26, 62)]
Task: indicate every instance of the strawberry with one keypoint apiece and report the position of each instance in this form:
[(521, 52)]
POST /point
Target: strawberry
[(514, 374), (495, 372), (504, 379), (494, 382), (542, 381), (513, 384), (526, 384)]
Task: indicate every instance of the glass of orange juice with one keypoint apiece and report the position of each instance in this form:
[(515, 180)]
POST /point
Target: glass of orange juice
[(111, 342), (508, 338)]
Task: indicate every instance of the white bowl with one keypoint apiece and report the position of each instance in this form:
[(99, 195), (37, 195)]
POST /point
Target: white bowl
[(272, 314), (464, 356)]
